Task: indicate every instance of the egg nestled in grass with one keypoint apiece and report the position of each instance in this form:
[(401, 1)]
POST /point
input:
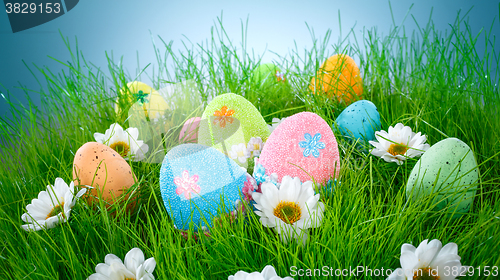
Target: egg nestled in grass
[(303, 146), (359, 121), (104, 170), (267, 73), (198, 183), (229, 123), (138, 97), (189, 131), (338, 77), (447, 171)]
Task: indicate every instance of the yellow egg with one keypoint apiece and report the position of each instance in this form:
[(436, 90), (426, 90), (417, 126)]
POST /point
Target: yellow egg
[(144, 98), (102, 168), (338, 77)]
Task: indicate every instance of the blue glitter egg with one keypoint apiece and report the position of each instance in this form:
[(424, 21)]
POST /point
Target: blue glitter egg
[(198, 183)]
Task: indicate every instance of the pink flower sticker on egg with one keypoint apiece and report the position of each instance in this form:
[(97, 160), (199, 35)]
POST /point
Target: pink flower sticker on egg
[(303, 146), (189, 132), (187, 185)]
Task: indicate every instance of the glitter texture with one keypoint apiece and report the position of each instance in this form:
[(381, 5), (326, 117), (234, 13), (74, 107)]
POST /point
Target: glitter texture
[(247, 123), (218, 175), (283, 155)]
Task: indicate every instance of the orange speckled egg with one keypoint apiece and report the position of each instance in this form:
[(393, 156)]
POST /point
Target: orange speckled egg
[(101, 167), (339, 77)]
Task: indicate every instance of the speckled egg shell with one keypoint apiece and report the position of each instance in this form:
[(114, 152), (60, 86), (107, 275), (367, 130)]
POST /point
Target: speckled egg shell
[(267, 72), (243, 121), (210, 177), (303, 145), (101, 167), (449, 169), (359, 121)]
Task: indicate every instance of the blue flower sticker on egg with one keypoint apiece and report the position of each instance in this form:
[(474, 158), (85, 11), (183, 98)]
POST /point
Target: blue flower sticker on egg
[(359, 121), (312, 145), (198, 183), (260, 176), (259, 173)]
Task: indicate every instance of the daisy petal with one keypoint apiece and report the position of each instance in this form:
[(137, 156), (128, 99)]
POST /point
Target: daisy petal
[(268, 272), (134, 267), (291, 193), (387, 143), (397, 274), (133, 259), (103, 269), (97, 276)]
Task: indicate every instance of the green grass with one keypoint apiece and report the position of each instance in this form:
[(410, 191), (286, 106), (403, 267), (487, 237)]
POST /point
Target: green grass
[(436, 83)]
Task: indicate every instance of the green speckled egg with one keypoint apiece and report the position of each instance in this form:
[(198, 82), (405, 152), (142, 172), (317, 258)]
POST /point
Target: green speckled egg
[(228, 124), (449, 169)]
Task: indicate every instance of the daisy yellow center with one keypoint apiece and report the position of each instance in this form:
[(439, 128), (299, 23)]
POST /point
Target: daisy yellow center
[(121, 147), (240, 153), (56, 210), (256, 146), (397, 149), (425, 273), (287, 211)]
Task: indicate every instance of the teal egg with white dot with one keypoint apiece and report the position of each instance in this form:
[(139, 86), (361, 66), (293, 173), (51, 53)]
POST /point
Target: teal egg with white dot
[(448, 172), (198, 183), (359, 121)]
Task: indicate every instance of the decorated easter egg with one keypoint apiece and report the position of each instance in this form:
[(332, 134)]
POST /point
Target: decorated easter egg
[(102, 168), (359, 120), (448, 169), (338, 77), (229, 123), (160, 127), (303, 146), (198, 183), (267, 72), (189, 131), (143, 99)]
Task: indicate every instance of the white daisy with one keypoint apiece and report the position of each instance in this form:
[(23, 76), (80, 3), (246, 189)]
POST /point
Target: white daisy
[(291, 209), (239, 152), (254, 146), (134, 268), (428, 261), (275, 123), (399, 144), (52, 206), (268, 273), (123, 142)]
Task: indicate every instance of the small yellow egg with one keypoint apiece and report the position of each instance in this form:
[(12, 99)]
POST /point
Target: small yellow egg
[(152, 103)]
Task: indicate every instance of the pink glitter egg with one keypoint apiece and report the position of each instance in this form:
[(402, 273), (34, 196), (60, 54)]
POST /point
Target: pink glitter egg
[(303, 146), (189, 132)]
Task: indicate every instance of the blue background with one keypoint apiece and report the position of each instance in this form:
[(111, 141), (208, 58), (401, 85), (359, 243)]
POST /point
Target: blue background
[(127, 28)]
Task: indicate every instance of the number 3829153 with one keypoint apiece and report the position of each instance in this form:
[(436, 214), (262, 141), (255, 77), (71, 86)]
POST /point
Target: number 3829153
[(32, 8), (471, 271)]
